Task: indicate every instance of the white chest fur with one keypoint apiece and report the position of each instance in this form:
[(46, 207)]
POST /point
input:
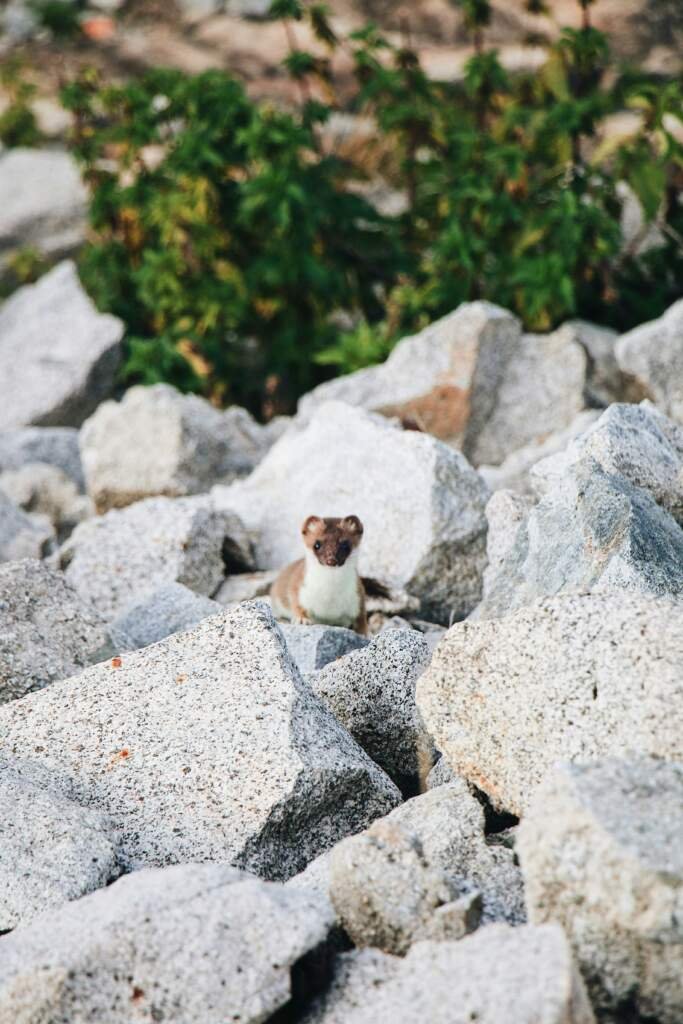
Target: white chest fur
[(329, 594)]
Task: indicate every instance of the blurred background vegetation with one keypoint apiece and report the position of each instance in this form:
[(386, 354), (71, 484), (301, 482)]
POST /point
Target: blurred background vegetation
[(251, 253)]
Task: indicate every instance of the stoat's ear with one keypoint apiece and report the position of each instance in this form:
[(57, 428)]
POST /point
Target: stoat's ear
[(311, 525), (353, 525)]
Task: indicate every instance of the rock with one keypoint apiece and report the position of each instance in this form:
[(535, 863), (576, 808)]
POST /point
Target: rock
[(525, 975), (444, 379), (20, 535), (58, 355), (540, 394), (121, 558), (604, 382), (52, 850), (651, 358), (46, 632), (44, 490), (171, 609), (44, 202), (513, 473), (191, 943), (372, 693), (397, 882), (440, 774), (421, 503), (602, 852), (313, 647), (18, 22), (505, 512), (53, 446), (205, 746), (568, 678), (248, 8), (157, 441), (245, 586)]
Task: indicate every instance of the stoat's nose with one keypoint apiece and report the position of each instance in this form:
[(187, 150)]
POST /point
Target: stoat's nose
[(331, 560)]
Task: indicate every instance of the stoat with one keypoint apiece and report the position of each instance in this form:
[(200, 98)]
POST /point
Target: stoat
[(324, 586)]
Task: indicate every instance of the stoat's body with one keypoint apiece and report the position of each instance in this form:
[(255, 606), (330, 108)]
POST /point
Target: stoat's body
[(324, 586)]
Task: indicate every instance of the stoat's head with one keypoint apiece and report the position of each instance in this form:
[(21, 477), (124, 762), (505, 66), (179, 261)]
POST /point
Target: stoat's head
[(332, 541)]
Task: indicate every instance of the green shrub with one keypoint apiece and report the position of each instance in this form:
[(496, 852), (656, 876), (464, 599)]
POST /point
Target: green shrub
[(18, 126)]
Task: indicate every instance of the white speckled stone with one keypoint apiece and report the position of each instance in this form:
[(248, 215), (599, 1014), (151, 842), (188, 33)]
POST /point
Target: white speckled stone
[(314, 647), (54, 446), (651, 358)]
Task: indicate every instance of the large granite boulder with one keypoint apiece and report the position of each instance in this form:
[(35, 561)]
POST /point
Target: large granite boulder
[(205, 746), (188, 944), (157, 441), (651, 359), (574, 677), (601, 847), (421, 503), (58, 355), (46, 631)]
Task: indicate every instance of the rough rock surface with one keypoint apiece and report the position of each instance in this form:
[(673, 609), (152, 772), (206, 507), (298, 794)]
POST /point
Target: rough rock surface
[(124, 556), (22, 536), (372, 693), (421, 503), (313, 647), (396, 882), (525, 975), (193, 943), (604, 382), (43, 490), (440, 774), (170, 609), (46, 631), (207, 745), (44, 202), (574, 677), (444, 379), (245, 586), (651, 358), (505, 512), (602, 852), (53, 446), (541, 393), (58, 355), (52, 850), (157, 441)]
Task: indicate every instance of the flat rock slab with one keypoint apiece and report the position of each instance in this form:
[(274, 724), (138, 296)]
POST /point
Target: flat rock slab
[(421, 503), (58, 355), (46, 631), (601, 848), (190, 944), (205, 746), (575, 677)]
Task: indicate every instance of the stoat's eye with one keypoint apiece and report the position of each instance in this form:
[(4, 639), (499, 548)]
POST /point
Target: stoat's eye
[(317, 546)]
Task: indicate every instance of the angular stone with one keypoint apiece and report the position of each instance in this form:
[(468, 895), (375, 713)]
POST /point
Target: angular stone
[(440, 774), (525, 975), (205, 746), (58, 355), (651, 358), (313, 647), (604, 381), (444, 379), (372, 693), (46, 632), (192, 943), (54, 446), (575, 677), (43, 490), (601, 848), (123, 557), (21, 536), (421, 503), (52, 850), (171, 609), (505, 512), (157, 441), (541, 393)]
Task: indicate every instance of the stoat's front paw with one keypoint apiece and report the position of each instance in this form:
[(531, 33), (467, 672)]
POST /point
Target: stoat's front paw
[(304, 620)]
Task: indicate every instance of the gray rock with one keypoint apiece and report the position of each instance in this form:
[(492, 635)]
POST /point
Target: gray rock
[(444, 379), (541, 393), (18, 22), (574, 677), (245, 586), (315, 876), (58, 355), (602, 852), (248, 8), (604, 382), (172, 608), (157, 441), (313, 647), (44, 490), (52, 850), (44, 202), (505, 512), (46, 632), (205, 746), (54, 446), (22, 536), (421, 503), (651, 358), (525, 975), (188, 944), (123, 557), (372, 693), (440, 774)]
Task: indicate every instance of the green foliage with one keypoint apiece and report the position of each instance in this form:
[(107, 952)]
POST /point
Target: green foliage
[(18, 126), (61, 17)]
